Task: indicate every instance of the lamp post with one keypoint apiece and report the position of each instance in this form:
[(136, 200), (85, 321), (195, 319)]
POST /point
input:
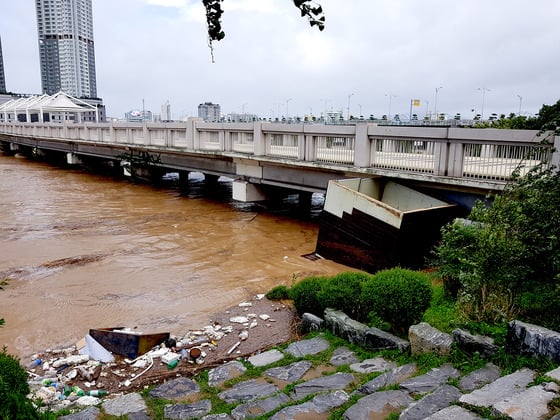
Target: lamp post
[(520, 100), (287, 113), (349, 96), (484, 90), (435, 103), (360, 110), (390, 95)]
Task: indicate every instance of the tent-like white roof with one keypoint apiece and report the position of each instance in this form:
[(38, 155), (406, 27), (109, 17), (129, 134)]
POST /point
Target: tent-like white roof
[(59, 102)]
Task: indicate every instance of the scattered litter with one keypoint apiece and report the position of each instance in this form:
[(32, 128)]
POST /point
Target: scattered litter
[(239, 320)]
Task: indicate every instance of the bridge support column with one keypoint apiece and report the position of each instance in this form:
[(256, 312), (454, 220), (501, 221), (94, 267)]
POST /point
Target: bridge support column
[(14, 147), (247, 192), (304, 201), (73, 159), (184, 185)]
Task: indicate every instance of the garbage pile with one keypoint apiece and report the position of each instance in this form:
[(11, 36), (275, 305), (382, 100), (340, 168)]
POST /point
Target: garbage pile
[(82, 374)]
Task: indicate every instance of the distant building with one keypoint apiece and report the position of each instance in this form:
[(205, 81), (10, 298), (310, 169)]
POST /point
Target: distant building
[(66, 47), (209, 111), (138, 116), (166, 112), (2, 76)]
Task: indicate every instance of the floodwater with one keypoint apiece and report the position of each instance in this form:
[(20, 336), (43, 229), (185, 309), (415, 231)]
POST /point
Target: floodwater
[(82, 251)]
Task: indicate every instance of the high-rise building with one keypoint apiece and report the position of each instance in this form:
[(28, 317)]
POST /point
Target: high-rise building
[(209, 111), (66, 47), (2, 77)]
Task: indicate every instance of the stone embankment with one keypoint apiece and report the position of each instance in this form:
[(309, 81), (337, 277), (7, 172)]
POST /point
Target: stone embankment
[(311, 378)]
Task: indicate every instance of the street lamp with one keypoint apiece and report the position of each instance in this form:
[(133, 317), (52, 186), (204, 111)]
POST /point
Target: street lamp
[(484, 90), (390, 95), (435, 104), (287, 113), (349, 96), (520, 100), (360, 110)]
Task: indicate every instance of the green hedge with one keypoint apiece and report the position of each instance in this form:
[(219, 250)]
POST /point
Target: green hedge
[(398, 296)]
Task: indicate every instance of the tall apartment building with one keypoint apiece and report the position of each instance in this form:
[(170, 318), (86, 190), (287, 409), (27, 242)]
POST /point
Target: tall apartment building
[(209, 111), (2, 76), (66, 47)]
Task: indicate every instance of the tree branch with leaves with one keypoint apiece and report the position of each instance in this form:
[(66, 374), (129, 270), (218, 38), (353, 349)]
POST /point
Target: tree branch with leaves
[(308, 9)]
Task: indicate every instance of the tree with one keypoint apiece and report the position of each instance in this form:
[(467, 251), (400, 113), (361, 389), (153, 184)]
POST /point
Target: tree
[(308, 8), (505, 259)]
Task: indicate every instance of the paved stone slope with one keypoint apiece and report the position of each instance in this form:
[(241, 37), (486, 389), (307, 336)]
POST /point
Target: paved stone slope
[(297, 390)]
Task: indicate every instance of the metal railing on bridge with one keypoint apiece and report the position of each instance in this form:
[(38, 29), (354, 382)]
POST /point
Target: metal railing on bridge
[(445, 152)]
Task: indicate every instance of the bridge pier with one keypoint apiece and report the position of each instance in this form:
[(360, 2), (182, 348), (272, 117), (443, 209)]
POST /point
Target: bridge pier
[(184, 185), (247, 192), (304, 201), (73, 159)]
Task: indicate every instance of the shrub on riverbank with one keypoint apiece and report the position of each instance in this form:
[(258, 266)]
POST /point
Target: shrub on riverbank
[(394, 298), (397, 296), (13, 390)]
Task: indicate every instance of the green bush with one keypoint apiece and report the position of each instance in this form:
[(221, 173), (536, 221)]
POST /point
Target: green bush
[(398, 296), (305, 295), (13, 390), (342, 292), (278, 293)]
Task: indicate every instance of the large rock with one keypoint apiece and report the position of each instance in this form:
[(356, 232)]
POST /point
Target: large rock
[(501, 388), (389, 378), (314, 408), (531, 403), (90, 413), (360, 334), (125, 404), (187, 411), (483, 346), (175, 389), (480, 377), (225, 372), (260, 407), (430, 380), (291, 373), (529, 339), (441, 398), (322, 384), (378, 405), (454, 412), (310, 322), (426, 339), (307, 347), (343, 356), (247, 391)]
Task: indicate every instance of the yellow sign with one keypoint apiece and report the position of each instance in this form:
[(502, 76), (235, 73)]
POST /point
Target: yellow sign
[(416, 102)]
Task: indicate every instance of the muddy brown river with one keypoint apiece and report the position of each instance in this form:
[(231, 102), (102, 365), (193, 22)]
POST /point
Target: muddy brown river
[(80, 250)]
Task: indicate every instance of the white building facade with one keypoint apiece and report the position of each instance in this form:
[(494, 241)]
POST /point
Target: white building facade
[(66, 47)]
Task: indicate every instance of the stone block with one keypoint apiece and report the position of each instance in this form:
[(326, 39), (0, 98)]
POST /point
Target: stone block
[(310, 322), (389, 378), (187, 411), (337, 381), (307, 347), (483, 346), (378, 405), (360, 334), (266, 358), (426, 339), (441, 398), (534, 340)]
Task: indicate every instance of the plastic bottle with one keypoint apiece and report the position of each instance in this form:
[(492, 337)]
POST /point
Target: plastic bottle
[(172, 364), (96, 393)]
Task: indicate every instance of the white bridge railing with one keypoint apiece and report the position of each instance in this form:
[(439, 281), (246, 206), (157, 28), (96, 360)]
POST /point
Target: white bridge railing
[(483, 154)]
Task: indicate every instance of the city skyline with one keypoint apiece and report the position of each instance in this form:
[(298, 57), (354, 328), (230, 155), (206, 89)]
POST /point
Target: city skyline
[(470, 58)]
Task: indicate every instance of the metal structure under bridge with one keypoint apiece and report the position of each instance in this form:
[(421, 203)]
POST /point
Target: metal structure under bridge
[(300, 157)]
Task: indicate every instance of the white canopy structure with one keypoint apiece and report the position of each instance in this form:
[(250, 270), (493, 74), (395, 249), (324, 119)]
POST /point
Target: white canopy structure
[(59, 103)]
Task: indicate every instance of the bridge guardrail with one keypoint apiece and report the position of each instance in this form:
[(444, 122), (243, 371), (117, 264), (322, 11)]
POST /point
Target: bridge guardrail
[(485, 154)]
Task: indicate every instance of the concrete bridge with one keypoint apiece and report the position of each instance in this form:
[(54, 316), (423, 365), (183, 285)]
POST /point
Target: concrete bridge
[(300, 157)]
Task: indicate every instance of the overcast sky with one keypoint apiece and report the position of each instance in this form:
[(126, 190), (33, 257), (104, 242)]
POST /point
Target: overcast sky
[(374, 56)]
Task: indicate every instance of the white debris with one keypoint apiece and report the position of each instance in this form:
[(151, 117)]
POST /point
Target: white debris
[(245, 304), (87, 400), (260, 296), (234, 347), (243, 335), (239, 320), (253, 324), (264, 317)]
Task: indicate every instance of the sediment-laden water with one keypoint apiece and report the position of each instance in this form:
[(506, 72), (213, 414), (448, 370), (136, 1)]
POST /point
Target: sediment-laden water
[(81, 251)]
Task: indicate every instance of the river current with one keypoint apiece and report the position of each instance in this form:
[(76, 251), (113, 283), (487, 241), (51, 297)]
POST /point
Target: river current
[(80, 250)]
